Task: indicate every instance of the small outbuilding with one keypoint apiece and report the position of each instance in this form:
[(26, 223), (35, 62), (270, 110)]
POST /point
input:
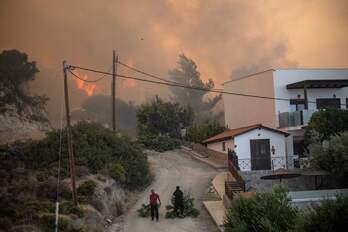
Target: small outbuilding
[(257, 147)]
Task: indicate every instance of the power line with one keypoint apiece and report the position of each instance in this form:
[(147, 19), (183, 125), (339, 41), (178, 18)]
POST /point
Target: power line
[(176, 84), (151, 75), (180, 85), (89, 81), (148, 74)]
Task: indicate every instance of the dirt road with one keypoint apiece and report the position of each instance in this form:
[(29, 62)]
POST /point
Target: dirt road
[(171, 169)]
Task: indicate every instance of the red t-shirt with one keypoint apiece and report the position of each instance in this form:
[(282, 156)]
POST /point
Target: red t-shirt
[(154, 198)]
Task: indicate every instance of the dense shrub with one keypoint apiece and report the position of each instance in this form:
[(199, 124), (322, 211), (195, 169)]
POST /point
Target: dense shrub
[(47, 223), (87, 188), (203, 131), (331, 155), (68, 207), (326, 123), (30, 210), (95, 148), (189, 208), (268, 211), (159, 143), (117, 172), (163, 118), (328, 216)]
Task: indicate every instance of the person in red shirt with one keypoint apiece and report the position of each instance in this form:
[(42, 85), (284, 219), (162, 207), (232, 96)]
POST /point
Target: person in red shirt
[(154, 204)]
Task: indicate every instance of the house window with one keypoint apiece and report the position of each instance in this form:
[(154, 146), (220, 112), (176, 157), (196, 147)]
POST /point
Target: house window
[(297, 104), (324, 103), (223, 146)]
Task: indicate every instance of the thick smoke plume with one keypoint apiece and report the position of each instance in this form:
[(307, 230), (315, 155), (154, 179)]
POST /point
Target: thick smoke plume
[(225, 38)]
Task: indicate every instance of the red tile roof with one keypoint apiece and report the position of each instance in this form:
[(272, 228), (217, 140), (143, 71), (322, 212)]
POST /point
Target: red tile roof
[(230, 133)]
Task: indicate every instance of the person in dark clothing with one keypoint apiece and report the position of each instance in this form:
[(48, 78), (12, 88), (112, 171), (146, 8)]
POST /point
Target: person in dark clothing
[(178, 201), (155, 201)]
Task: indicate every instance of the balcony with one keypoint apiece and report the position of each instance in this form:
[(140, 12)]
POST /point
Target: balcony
[(295, 118)]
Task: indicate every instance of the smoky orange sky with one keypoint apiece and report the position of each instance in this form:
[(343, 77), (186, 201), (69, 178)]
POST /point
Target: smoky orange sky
[(226, 38)]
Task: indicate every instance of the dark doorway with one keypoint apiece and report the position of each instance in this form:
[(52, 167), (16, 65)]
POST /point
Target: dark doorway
[(260, 154), (298, 146), (325, 103)]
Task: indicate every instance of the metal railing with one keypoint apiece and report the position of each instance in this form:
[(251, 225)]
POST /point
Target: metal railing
[(276, 162)]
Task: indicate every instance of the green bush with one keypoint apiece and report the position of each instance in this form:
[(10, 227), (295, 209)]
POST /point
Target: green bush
[(68, 207), (203, 131), (327, 123), (331, 155), (117, 172), (159, 143), (189, 208), (160, 117), (47, 223), (328, 216), (144, 211), (87, 188), (267, 211), (95, 148), (30, 210)]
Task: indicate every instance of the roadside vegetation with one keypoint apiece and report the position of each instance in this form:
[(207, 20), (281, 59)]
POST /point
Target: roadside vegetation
[(202, 131), (160, 124), (266, 211), (272, 211), (327, 143), (28, 173)]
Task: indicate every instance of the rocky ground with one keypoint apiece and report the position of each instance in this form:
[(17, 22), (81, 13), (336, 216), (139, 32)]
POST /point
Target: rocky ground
[(172, 168)]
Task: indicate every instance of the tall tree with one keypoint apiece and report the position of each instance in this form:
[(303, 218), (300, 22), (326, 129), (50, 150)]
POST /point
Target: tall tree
[(16, 70), (15, 74), (163, 118), (186, 73), (326, 123)]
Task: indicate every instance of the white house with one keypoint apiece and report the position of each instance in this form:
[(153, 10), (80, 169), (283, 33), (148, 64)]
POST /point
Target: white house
[(293, 96), (258, 147)]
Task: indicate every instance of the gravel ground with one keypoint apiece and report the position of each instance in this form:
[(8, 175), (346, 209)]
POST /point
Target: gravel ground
[(171, 169)]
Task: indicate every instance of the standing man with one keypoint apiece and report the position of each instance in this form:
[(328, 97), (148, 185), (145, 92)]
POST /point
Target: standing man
[(178, 201), (154, 204)]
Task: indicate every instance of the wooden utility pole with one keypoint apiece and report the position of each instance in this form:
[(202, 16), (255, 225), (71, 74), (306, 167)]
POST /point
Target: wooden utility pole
[(113, 90), (70, 144)]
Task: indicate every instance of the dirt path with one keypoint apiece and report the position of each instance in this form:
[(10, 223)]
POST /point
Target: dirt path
[(174, 168)]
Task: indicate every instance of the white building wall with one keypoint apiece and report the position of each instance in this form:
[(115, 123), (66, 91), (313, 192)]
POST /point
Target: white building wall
[(283, 77), (277, 140), (217, 146)]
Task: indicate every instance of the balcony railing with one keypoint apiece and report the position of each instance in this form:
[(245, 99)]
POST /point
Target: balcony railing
[(295, 118), (276, 162)]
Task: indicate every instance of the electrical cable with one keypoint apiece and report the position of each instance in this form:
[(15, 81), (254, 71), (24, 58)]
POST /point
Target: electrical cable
[(187, 86), (180, 85), (89, 81), (150, 75)]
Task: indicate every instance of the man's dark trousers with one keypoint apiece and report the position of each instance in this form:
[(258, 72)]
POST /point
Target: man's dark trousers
[(179, 206), (154, 212)]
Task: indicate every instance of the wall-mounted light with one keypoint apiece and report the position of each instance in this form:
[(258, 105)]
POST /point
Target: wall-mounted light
[(299, 96), (273, 150), (334, 95)]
